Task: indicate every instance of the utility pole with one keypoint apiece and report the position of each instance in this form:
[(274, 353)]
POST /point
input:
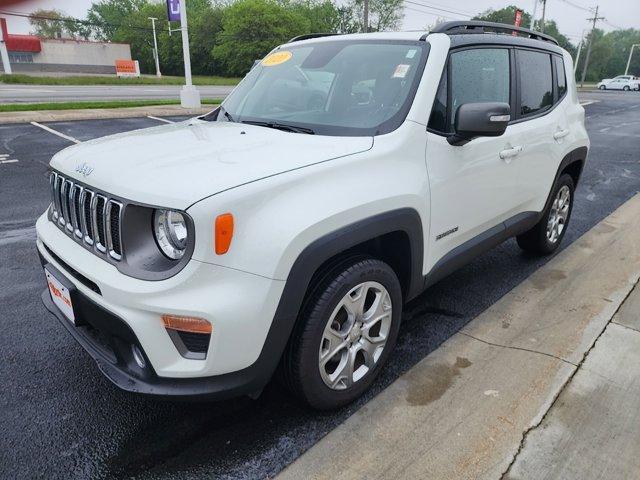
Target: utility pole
[(544, 12), (575, 66), (366, 16), (189, 95), (626, 70), (591, 39), (155, 47), (533, 15), (4, 54)]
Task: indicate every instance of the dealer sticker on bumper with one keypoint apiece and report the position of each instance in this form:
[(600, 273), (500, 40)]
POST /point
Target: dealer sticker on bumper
[(60, 296)]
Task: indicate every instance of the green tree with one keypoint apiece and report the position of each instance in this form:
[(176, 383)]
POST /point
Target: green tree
[(507, 15), (383, 14), (504, 15), (250, 29), (47, 23), (609, 54), (109, 16), (551, 28)]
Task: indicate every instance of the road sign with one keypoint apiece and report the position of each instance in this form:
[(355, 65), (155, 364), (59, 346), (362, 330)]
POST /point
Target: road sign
[(517, 21), (127, 68), (173, 10)]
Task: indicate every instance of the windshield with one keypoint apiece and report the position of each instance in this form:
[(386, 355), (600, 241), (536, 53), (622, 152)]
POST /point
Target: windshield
[(330, 88)]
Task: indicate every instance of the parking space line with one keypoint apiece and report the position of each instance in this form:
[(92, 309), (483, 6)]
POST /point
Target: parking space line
[(588, 102), (11, 160), (55, 132), (160, 119)]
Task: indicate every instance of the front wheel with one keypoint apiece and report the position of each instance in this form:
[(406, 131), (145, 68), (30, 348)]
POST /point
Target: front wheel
[(347, 329), (626, 88), (602, 87), (545, 237)]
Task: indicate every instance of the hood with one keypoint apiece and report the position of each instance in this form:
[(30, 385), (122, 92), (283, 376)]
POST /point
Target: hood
[(177, 165)]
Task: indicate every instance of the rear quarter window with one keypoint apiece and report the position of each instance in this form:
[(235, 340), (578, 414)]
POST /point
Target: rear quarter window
[(561, 77)]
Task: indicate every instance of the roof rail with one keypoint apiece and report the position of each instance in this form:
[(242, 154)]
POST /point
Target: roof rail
[(476, 26), (309, 36)]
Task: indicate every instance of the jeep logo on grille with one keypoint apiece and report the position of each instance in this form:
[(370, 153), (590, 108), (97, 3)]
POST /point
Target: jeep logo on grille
[(84, 169)]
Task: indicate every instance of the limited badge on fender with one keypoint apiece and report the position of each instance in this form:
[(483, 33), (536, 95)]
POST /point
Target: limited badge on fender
[(277, 58)]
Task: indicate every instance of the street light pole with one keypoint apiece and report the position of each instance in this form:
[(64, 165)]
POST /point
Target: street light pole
[(4, 54), (155, 47), (544, 11), (626, 70), (189, 95), (533, 15), (366, 16)]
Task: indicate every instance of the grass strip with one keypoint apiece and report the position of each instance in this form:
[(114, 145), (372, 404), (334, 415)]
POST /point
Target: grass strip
[(112, 80), (27, 107)]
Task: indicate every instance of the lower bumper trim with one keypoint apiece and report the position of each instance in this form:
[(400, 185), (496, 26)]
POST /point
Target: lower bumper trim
[(119, 366)]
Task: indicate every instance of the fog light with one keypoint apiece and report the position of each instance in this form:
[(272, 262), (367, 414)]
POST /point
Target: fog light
[(138, 356)]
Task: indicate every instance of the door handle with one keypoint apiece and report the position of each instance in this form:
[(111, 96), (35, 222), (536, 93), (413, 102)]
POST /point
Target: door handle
[(560, 134), (510, 152)]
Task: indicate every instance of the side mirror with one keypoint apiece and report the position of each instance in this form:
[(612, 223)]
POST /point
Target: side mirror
[(487, 119)]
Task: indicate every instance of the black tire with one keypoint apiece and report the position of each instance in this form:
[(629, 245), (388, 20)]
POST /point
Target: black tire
[(300, 367), (602, 87), (536, 240), (626, 88)]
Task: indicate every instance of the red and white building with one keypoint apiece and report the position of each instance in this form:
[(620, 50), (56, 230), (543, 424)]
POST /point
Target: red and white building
[(29, 53)]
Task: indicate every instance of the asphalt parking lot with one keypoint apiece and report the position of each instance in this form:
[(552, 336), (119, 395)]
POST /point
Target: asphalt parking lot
[(61, 419)]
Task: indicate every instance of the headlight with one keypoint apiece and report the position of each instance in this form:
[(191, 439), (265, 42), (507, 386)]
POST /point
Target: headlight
[(170, 229)]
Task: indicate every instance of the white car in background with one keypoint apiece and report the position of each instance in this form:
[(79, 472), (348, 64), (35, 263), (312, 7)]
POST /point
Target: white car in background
[(621, 82)]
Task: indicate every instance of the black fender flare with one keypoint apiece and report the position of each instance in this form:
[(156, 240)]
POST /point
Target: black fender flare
[(406, 220)]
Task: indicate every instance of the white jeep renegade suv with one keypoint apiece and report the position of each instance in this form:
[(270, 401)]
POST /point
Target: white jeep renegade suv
[(285, 229)]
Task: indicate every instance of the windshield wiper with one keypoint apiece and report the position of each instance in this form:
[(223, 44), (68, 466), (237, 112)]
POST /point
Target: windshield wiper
[(227, 115), (281, 126)]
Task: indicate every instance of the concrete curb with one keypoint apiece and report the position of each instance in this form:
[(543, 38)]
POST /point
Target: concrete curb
[(463, 411), (99, 113)]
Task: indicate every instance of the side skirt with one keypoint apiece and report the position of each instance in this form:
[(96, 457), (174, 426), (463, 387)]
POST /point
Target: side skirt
[(465, 253)]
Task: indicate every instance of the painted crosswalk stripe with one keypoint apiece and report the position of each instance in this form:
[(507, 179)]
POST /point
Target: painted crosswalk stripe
[(55, 132), (160, 119)]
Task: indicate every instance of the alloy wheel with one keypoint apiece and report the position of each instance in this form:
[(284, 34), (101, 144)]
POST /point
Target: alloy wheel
[(559, 214), (355, 335)]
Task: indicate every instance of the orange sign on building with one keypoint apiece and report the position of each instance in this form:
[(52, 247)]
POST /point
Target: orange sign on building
[(127, 68)]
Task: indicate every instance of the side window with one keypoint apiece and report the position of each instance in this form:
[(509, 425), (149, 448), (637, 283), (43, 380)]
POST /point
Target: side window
[(561, 79), (478, 75), (536, 87)]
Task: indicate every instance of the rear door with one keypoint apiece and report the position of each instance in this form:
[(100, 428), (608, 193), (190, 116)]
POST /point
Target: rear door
[(472, 187), (541, 124)]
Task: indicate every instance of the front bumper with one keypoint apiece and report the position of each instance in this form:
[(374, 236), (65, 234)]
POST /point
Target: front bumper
[(117, 311), (109, 340)]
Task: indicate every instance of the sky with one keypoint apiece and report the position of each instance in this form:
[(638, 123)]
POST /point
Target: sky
[(571, 15)]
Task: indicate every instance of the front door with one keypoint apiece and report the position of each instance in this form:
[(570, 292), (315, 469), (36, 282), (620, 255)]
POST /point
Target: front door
[(472, 186)]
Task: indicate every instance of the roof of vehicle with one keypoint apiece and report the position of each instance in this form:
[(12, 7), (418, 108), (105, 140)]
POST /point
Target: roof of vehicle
[(461, 33)]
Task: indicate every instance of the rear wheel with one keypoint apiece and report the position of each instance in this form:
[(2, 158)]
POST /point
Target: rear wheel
[(626, 88), (546, 235), (348, 328)]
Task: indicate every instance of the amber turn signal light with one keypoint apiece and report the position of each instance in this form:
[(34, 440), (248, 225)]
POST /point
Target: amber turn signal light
[(186, 324), (223, 233)]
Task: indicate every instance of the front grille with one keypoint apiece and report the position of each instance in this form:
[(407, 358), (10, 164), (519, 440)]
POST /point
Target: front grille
[(87, 216)]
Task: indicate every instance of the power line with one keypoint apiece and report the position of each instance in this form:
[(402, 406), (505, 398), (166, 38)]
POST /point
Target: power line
[(586, 9), (437, 15), (423, 5), (74, 20)]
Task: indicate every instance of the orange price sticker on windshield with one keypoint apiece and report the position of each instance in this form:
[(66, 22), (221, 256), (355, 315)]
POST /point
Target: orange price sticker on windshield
[(276, 58)]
